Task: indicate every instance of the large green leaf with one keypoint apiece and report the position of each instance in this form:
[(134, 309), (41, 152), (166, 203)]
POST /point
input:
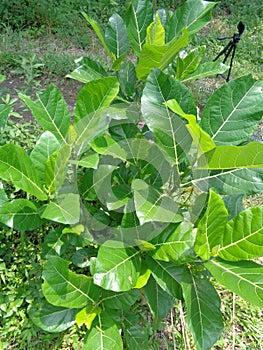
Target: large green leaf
[(87, 128), (241, 169), (66, 209), (234, 205), (136, 335), (65, 288), (168, 275), (87, 315), (104, 335), (160, 302), (113, 197), (127, 79), (46, 145), (161, 88), (56, 168), (211, 227), (95, 95), (193, 16), (108, 146), (50, 111), (203, 316), (52, 318), (201, 139), (117, 268), (188, 64), (116, 36), (170, 129), (138, 17), (230, 182), (121, 300), (233, 111), (243, 236), (206, 69), (233, 157), (21, 214), (159, 56), (4, 114), (87, 70), (152, 205), (245, 278), (18, 168), (175, 243), (155, 33), (98, 30)]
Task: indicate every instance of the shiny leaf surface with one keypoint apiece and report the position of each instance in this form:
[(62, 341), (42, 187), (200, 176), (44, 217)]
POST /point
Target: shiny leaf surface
[(50, 111), (18, 168), (233, 111), (117, 268), (245, 278), (63, 287), (203, 309)]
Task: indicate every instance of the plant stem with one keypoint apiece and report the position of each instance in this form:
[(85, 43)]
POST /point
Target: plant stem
[(233, 321), (172, 324), (184, 334)]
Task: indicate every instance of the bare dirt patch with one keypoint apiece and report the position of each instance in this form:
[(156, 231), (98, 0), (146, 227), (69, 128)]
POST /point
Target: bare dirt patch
[(14, 84)]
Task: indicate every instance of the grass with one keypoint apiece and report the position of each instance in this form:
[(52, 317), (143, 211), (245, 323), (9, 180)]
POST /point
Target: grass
[(46, 49), (45, 55), (249, 53)]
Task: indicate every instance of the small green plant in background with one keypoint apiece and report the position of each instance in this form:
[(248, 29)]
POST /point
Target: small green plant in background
[(30, 67), (140, 190)]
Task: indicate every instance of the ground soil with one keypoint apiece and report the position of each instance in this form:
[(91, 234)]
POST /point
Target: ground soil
[(14, 84)]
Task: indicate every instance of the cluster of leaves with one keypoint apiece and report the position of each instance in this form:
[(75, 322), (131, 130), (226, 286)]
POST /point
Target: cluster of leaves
[(147, 198), (19, 286)]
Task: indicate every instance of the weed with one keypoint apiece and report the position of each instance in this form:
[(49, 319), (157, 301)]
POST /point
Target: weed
[(23, 134), (30, 67), (58, 64), (10, 101), (242, 321)]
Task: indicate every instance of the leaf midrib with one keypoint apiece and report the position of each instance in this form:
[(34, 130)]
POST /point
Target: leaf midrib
[(239, 277), (120, 263), (240, 240), (232, 112), (28, 179), (72, 285), (50, 118)]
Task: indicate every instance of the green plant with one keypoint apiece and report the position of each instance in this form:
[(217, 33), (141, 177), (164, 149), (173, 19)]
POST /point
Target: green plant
[(154, 44), (57, 64), (5, 107), (19, 286), (142, 191), (30, 67)]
